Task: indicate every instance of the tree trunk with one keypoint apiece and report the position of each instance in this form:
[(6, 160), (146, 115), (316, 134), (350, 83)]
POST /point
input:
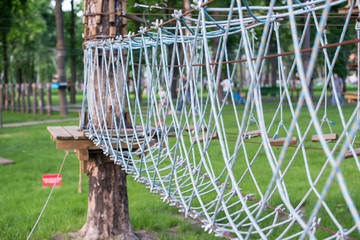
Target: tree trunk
[(273, 63), (306, 57), (4, 43), (60, 57), (72, 55), (108, 212)]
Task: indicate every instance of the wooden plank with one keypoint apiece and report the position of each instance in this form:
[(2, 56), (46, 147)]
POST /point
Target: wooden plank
[(85, 18), (59, 133), (202, 137), (4, 161), (112, 31), (328, 137), (75, 132), (345, 10), (93, 31), (190, 128), (99, 10), (253, 133), (349, 154), (83, 155), (89, 145), (111, 10), (75, 144), (280, 141), (84, 166), (86, 31)]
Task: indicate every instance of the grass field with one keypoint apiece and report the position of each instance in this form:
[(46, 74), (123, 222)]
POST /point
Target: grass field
[(22, 195)]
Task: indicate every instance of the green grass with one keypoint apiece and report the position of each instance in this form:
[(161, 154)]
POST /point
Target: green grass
[(14, 117), (22, 195)]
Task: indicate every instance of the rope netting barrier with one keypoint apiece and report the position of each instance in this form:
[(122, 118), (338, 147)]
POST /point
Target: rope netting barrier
[(244, 167)]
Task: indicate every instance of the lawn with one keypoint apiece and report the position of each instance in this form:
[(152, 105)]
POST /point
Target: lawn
[(22, 194)]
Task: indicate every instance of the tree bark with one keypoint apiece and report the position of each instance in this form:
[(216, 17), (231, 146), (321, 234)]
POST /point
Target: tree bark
[(4, 41), (306, 57), (72, 55), (60, 57), (108, 211)]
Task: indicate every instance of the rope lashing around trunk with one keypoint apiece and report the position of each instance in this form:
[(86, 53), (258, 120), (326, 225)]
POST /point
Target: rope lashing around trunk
[(176, 142)]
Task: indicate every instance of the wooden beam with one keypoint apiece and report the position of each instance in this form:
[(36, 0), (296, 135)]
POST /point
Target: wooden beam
[(190, 128), (75, 144), (280, 141), (99, 10), (82, 154), (75, 132), (85, 18), (328, 137), (349, 154), (253, 133), (111, 10), (59, 133), (203, 137)]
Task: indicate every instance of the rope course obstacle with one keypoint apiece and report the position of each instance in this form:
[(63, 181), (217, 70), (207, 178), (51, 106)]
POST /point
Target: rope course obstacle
[(234, 168)]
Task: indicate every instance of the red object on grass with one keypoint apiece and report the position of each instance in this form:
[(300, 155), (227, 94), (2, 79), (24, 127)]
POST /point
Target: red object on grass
[(50, 180), (159, 123)]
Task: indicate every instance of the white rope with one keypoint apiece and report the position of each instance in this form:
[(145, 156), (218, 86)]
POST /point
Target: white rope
[(50, 194)]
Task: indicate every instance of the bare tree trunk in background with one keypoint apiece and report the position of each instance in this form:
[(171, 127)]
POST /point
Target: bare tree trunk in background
[(273, 64), (72, 55), (60, 57), (186, 6), (5, 58), (306, 58), (108, 211)]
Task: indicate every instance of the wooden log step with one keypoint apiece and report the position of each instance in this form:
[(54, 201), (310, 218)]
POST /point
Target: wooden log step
[(328, 137), (349, 154), (253, 133), (280, 141), (192, 127), (202, 137)]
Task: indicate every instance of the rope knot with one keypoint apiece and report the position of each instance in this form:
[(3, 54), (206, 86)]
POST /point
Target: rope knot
[(177, 14), (196, 5), (156, 24), (142, 30), (357, 25)]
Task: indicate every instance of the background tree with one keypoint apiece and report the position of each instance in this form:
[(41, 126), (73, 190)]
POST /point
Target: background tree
[(60, 57)]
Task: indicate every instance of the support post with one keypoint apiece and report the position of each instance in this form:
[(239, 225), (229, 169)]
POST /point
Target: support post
[(41, 99), (18, 96), (1, 96), (106, 218), (6, 98), (34, 97), (22, 103), (12, 97), (48, 97), (27, 93)]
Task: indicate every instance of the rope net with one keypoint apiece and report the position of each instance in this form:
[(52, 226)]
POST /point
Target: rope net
[(244, 167)]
